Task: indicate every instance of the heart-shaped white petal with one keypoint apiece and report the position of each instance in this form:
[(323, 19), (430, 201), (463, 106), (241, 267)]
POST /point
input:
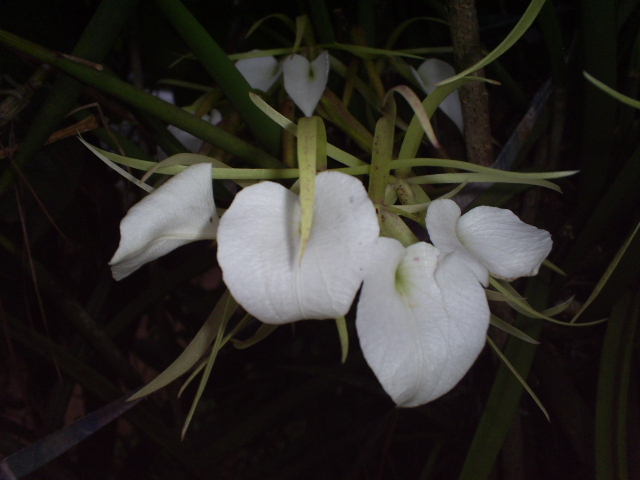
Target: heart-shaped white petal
[(422, 320), (506, 245), (180, 211), (259, 242), (305, 82), (430, 73), (495, 237), (260, 72)]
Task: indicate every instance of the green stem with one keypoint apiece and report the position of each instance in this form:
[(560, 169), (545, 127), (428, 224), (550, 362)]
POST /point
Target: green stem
[(145, 101), (223, 71), (96, 40)]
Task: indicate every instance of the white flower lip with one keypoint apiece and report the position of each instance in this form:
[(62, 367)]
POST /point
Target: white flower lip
[(180, 211), (422, 320), (258, 249), (429, 73), (494, 237)]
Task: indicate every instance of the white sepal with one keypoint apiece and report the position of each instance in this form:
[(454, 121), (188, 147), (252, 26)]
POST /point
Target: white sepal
[(180, 211), (422, 320), (260, 72), (259, 242), (430, 73), (305, 82)]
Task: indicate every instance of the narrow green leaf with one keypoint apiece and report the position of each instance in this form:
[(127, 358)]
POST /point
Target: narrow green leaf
[(607, 273), (413, 135), (332, 151), (558, 309), (194, 351), (613, 390), (520, 28), (399, 30), (96, 41), (146, 102), (515, 373), (279, 16), (222, 70), (229, 306), (99, 153), (343, 333), (618, 96), (478, 177), (312, 153), (506, 392), (263, 332), (382, 150), (511, 330)]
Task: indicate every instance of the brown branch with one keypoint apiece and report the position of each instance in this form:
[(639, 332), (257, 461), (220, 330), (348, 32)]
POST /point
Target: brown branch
[(473, 96)]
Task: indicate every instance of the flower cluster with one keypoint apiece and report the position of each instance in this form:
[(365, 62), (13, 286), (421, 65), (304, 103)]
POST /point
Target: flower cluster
[(422, 314)]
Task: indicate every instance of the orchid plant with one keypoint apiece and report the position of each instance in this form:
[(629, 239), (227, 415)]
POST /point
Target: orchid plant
[(303, 253)]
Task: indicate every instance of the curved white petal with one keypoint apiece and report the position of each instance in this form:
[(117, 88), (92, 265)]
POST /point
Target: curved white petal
[(260, 72), (305, 82), (422, 320), (430, 73), (259, 241), (191, 142), (506, 245), (488, 238), (180, 211), (442, 218)]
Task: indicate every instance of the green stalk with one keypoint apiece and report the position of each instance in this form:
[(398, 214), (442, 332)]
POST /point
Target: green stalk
[(146, 102), (223, 71), (96, 40), (504, 398)]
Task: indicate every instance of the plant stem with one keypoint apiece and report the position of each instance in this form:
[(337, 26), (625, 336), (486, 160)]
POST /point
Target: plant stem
[(473, 96)]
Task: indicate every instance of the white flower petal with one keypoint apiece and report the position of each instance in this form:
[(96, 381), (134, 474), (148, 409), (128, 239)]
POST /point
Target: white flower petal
[(260, 72), (422, 320), (442, 218), (259, 241), (506, 245), (305, 82), (180, 211), (433, 71), (191, 142)]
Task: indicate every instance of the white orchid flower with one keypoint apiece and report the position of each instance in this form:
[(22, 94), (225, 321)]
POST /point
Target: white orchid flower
[(259, 249), (304, 81), (492, 240), (423, 314), (422, 320), (433, 71), (180, 211)]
